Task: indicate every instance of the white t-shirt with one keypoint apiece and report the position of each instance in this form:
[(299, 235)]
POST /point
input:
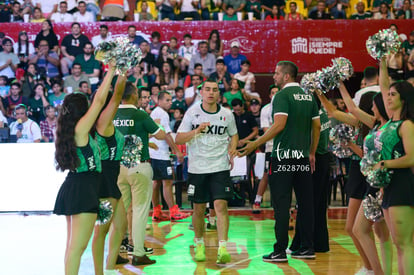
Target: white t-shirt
[(8, 70), (266, 121), (58, 17), (248, 79), (187, 6), (208, 151), (163, 152), (30, 132), (357, 96), (98, 39), (23, 48), (187, 52), (87, 17), (46, 6), (189, 92)]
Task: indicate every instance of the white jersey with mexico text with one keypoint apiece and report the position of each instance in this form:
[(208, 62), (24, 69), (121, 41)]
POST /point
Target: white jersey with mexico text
[(163, 152), (208, 151)]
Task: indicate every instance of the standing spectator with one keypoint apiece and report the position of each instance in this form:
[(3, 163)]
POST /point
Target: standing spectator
[(37, 103), (72, 45), (361, 14), (90, 66), (62, 15), (155, 44), (8, 60), (188, 9), (47, 33), (296, 128), (192, 94), (71, 83), (14, 99), (148, 62), (320, 12), (48, 125), (115, 10), (275, 14), (25, 129), (82, 15), (221, 76), (234, 59), (215, 45), (208, 60), (47, 59), (103, 36), (133, 37)]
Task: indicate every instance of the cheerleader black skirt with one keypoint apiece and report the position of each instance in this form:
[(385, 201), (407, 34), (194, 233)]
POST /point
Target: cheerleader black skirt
[(109, 187), (400, 191)]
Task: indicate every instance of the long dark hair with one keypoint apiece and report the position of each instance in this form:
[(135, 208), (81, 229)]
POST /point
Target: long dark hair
[(19, 44), (379, 102), (365, 104), (218, 45), (163, 76), (406, 91), (33, 93), (74, 107)]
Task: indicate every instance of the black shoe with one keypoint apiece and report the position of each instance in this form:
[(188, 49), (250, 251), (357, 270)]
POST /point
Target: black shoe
[(130, 248), (304, 254), (143, 260), (148, 250), (275, 257), (121, 260)]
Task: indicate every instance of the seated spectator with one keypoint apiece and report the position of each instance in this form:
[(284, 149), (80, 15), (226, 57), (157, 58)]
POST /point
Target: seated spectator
[(138, 77), (248, 78), (71, 82), (173, 47), (90, 66), (198, 70), (208, 60), (155, 44), (62, 15), (47, 33), (133, 37), (234, 59), (337, 8), (267, 6), (56, 98), (46, 59), (293, 15), (16, 16), (255, 7), (37, 103), (376, 5), (238, 6), (221, 76), (236, 91), (410, 66), (188, 9), (147, 62), (178, 101), (164, 56), (114, 10), (25, 129), (384, 12), (215, 45), (405, 12), (30, 79), (186, 52), (408, 47), (361, 14), (8, 60), (15, 98), (23, 48), (82, 15), (178, 115), (49, 124), (85, 89), (4, 87), (320, 12), (275, 14), (166, 8), (155, 90), (103, 36), (192, 94), (210, 9), (37, 16), (47, 7), (167, 76), (230, 14), (72, 45), (27, 7), (144, 14)]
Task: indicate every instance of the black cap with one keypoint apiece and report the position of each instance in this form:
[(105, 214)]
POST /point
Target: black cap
[(254, 102)]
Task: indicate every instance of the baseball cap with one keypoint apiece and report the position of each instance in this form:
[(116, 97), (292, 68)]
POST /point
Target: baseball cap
[(254, 102), (235, 44)]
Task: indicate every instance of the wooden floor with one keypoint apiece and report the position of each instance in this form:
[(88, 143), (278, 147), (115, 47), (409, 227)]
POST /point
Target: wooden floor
[(34, 244)]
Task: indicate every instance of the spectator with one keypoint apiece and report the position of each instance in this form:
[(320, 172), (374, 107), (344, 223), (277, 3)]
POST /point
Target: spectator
[(16, 15), (376, 5), (275, 14), (248, 78), (25, 129), (138, 77), (255, 7), (178, 117), (37, 103), (230, 14), (56, 98), (186, 52), (71, 83), (155, 44), (408, 46), (90, 66), (205, 58), (145, 99), (23, 48), (114, 10), (361, 14), (320, 12), (72, 45), (4, 87), (221, 76), (15, 98), (234, 59), (85, 89), (255, 109), (47, 33), (179, 101), (384, 12), (30, 78), (155, 90), (337, 8), (210, 9), (267, 6), (173, 47), (166, 8), (168, 77), (47, 7), (133, 37), (37, 16), (148, 62), (163, 56), (82, 15), (46, 59), (192, 94), (48, 125), (238, 5), (215, 45), (62, 15), (293, 15), (103, 36), (198, 70), (8, 60), (1, 41), (188, 9), (144, 14), (236, 91), (91, 6), (405, 12)]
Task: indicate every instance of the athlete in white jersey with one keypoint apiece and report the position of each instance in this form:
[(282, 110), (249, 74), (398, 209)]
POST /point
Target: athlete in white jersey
[(211, 136)]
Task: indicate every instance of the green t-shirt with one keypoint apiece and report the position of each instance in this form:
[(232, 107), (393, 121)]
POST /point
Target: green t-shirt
[(227, 18), (294, 140), (392, 146), (131, 121), (177, 104), (140, 82), (324, 136), (111, 147), (408, 47), (56, 101), (89, 157), (229, 96), (87, 66)]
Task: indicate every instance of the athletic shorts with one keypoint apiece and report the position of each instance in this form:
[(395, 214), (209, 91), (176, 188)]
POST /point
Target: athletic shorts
[(162, 169), (203, 188)]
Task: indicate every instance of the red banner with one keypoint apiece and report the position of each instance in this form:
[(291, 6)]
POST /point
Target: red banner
[(310, 44)]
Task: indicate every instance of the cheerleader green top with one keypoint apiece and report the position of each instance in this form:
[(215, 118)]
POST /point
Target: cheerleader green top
[(111, 147), (89, 157), (372, 140), (392, 146)]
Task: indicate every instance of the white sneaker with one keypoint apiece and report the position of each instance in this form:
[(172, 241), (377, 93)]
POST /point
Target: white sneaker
[(362, 271), (112, 272)]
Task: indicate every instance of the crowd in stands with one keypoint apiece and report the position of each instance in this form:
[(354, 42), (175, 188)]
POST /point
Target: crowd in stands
[(226, 10)]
